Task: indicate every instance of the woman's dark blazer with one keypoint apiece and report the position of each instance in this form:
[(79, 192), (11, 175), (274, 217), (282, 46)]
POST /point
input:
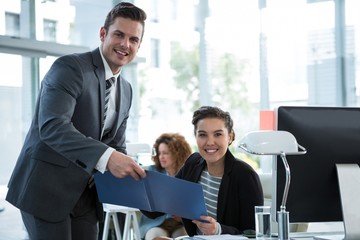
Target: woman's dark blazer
[(240, 191)]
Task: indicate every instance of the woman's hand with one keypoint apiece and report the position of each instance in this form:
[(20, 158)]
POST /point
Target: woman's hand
[(177, 218), (208, 227)]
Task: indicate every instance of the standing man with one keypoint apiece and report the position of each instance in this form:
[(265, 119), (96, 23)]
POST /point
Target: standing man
[(78, 128)]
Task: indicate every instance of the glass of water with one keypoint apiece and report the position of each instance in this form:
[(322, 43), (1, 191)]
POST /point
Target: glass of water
[(262, 222)]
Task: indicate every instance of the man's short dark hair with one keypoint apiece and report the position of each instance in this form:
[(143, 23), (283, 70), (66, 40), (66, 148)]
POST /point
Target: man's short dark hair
[(125, 10)]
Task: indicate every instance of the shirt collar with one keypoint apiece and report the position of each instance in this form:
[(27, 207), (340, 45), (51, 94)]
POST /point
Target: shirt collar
[(108, 72)]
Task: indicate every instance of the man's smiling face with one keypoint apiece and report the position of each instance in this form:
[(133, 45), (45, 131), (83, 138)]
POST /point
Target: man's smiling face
[(121, 42)]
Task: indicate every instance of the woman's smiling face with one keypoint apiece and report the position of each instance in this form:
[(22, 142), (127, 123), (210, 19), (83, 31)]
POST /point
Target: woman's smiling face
[(212, 138)]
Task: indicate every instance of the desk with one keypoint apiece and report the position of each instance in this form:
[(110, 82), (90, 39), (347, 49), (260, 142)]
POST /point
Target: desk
[(293, 236), (215, 237), (131, 225)]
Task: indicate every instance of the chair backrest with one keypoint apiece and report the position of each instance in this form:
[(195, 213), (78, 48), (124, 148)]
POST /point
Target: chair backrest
[(266, 182)]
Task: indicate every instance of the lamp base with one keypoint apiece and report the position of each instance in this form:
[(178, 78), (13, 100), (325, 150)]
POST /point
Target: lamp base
[(283, 224)]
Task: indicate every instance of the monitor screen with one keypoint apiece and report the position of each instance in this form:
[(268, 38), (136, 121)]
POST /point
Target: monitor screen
[(330, 135)]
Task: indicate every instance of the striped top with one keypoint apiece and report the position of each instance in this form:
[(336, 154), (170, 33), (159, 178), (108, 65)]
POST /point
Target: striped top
[(211, 185)]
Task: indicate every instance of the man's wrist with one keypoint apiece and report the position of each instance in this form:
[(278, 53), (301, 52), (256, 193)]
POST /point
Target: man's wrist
[(103, 161)]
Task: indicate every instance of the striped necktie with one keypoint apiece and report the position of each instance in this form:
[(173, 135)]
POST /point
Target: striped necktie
[(109, 83)]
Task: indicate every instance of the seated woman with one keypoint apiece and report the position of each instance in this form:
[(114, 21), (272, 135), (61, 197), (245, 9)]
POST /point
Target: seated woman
[(171, 152), (231, 187)]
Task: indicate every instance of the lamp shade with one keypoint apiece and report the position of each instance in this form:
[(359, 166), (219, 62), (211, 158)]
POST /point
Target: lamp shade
[(269, 143)]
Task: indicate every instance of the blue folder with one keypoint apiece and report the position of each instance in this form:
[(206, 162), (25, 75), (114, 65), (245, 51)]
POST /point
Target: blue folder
[(156, 192)]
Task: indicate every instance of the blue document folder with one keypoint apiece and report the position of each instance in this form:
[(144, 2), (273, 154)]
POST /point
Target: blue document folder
[(156, 192)]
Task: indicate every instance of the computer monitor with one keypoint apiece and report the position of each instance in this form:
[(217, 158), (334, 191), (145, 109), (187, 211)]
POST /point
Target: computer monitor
[(331, 135)]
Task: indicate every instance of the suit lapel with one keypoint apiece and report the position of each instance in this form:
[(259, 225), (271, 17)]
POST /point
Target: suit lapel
[(99, 72)]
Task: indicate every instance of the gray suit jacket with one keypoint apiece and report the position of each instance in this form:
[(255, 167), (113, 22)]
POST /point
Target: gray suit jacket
[(64, 141)]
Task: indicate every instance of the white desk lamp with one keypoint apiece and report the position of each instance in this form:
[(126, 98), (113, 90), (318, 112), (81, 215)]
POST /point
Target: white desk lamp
[(277, 143)]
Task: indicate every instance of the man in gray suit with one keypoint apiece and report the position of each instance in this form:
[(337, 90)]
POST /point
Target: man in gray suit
[(71, 137)]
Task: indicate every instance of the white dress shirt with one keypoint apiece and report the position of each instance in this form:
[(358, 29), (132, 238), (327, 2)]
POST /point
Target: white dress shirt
[(110, 116)]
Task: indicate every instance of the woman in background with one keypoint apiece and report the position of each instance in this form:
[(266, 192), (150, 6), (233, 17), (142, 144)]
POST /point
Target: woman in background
[(171, 152)]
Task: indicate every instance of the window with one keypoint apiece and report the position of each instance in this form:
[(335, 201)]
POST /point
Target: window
[(285, 53), (50, 28), (12, 24), (155, 53), (15, 108), (174, 10), (154, 17)]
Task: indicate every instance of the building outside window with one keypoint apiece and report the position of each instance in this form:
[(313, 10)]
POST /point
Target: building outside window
[(155, 53), (12, 24), (50, 30)]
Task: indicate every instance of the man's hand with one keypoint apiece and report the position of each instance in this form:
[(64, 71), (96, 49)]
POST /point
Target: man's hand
[(121, 165)]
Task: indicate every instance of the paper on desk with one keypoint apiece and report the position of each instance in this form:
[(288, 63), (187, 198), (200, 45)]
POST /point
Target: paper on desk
[(156, 192), (218, 237)]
